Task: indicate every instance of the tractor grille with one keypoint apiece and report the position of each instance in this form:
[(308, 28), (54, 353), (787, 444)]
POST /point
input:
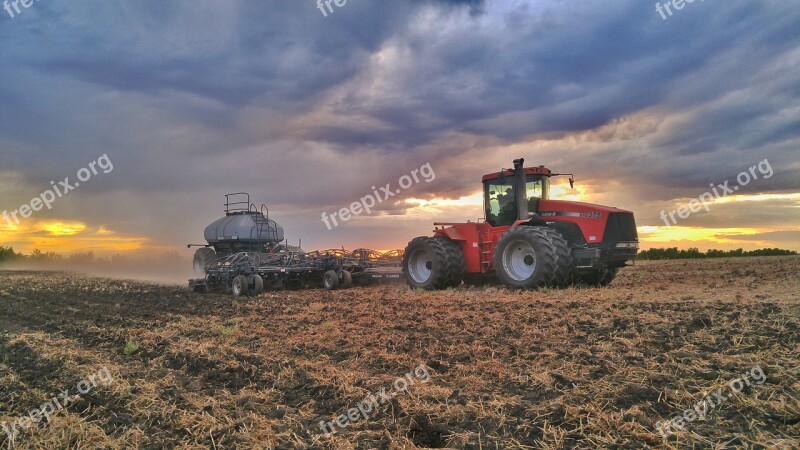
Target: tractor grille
[(621, 227)]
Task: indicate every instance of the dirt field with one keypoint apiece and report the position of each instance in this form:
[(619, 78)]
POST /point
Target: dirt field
[(575, 368)]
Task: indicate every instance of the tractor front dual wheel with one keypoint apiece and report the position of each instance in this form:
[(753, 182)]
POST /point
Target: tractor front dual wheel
[(563, 275), (527, 258), (433, 263)]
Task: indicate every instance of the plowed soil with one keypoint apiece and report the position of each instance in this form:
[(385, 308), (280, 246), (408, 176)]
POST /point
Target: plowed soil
[(573, 368)]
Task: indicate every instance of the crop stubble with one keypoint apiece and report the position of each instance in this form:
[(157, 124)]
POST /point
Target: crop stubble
[(573, 368)]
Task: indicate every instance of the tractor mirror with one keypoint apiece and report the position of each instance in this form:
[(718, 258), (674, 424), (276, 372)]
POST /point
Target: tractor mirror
[(571, 183)]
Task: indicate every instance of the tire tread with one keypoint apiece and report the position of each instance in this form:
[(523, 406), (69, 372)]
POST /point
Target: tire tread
[(547, 256)]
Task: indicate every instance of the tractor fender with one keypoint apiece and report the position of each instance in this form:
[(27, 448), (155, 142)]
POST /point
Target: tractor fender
[(451, 233), (533, 222)]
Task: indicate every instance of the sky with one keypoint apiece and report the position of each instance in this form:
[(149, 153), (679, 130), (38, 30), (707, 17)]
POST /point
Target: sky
[(168, 105)]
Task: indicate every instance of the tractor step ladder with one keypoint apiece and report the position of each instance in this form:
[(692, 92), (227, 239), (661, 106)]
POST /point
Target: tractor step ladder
[(485, 251)]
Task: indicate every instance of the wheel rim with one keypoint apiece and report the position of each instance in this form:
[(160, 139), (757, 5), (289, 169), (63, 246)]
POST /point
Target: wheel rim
[(420, 266), (519, 260), (330, 281), (237, 287), (198, 266)]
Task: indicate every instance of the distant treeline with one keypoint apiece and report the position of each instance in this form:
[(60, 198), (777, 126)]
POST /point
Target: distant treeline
[(694, 253), (7, 254)]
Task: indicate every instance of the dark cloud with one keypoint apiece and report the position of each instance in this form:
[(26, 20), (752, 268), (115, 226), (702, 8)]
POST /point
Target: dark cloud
[(192, 99)]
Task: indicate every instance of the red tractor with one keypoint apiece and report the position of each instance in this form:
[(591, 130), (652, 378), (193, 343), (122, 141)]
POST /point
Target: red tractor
[(526, 239)]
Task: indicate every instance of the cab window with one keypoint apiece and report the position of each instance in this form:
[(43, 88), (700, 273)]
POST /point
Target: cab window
[(501, 205), (501, 209)]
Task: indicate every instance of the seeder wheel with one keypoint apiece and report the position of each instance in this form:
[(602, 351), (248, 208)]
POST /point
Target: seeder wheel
[(330, 280), (239, 286), (347, 280)]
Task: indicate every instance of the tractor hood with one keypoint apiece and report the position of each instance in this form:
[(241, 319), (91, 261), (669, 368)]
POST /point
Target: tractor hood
[(578, 207), (597, 223)]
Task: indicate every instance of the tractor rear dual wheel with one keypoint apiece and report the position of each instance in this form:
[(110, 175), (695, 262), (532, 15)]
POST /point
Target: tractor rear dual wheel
[(433, 263), (457, 262), (529, 257)]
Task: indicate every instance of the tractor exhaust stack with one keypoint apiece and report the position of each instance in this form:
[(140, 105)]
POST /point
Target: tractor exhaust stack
[(520, 190)]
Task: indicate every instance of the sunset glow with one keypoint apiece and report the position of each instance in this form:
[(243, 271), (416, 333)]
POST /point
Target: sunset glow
[(67, 237), (62, 228)]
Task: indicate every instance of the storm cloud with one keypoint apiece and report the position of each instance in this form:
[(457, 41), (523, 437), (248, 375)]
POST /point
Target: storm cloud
[(194, 99)]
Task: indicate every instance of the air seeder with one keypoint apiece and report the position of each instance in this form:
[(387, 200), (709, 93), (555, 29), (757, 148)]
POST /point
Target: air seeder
[(246, 253), (526, 239)]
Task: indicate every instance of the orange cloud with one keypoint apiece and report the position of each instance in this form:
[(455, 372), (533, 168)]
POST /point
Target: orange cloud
[(63, 236), (705, 238)]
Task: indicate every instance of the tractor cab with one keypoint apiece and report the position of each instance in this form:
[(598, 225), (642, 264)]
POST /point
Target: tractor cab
[(503, 204)]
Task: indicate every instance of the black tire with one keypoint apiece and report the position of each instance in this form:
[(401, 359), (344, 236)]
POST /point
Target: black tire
[(330, 280), (600, 277), (347, 280), (456, 263), (239, 286), (425, 264), (526, 258), (565, 264), (258, 285), (202, 258), (199, 287)]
